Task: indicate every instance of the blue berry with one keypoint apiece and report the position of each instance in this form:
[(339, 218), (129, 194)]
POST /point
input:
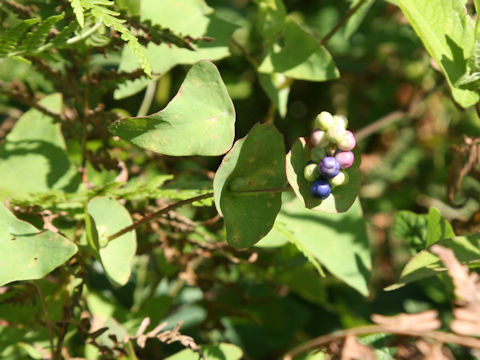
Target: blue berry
[(329, 167), (320, 189)]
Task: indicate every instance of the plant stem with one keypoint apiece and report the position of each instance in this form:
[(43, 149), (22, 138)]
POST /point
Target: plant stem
[(147, 99), (156, 214), (375, 329), (86, 109), (342, 22), (47, 318), (245, 52)]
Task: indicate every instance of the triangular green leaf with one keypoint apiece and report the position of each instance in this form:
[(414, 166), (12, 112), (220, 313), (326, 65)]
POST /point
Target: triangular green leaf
[(438, 228), (255, 163), (300, 57), (107, 216), (27, 253), (447, 32), (342, 197), (425, 264), (199, 120)]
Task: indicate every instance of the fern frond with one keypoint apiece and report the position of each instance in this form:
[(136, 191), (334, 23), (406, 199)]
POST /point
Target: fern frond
[(78, 11), (9, 39), (64, 37), (99, 10), (36, 39)]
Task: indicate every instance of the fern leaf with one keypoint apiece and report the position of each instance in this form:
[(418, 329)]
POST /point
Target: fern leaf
[(78, 11), (34, 40), (136, 47), (61, 39), (109, 18), (10, 39)]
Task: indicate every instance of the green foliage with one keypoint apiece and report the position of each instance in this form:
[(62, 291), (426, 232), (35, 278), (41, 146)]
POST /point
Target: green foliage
[(339, 242), (191, 17), (448, 34), (152, 242), (106, 217), (34, 155), (198, 121), (214, 352), (421, 230), (342, 197), (19, 41), (300, 56), (239, 187), (425, 264), (28, 253)]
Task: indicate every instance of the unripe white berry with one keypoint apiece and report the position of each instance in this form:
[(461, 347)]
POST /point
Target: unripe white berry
[(310, 172), (324, 121), (340, 179), (319, 138), (340, 120), (336, 133)]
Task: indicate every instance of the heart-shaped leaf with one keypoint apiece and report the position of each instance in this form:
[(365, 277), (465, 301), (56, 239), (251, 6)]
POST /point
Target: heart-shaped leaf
[(200, 119), (342, 197), (27, 253), (254, 164), (106, 217)]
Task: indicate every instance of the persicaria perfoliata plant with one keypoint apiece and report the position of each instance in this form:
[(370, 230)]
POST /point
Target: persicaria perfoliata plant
[(332, 146)]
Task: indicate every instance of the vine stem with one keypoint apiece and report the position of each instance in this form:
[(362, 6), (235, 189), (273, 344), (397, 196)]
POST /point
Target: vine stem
[(147, 99), (158, 213), (47, 318), (342, 22), (372, 329), (86, 109)]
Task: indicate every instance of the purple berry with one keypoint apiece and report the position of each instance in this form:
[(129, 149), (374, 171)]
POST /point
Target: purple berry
[(320, 189), (329, 167), (345, 159)]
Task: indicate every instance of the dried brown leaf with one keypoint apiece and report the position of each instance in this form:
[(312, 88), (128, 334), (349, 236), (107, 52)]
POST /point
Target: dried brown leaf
[(467, 290), (409, 323), (353, 350)]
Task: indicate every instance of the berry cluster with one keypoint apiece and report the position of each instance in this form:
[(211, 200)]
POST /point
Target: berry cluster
[(332, 146)]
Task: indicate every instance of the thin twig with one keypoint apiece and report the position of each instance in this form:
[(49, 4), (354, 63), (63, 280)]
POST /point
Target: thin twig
[(47, 318), (245, 52), (86, 109), (342, 22), (21, 95), (380, 124), (375, 329), (156, 214)]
